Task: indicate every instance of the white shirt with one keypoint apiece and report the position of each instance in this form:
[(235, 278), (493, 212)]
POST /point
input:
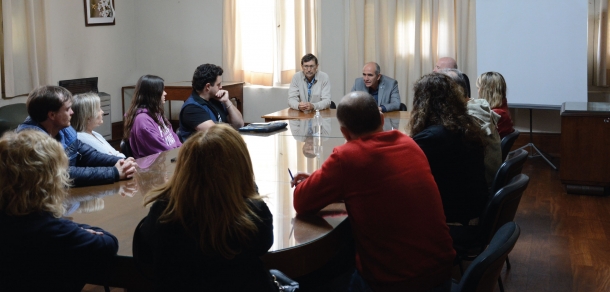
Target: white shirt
[(99, 143)]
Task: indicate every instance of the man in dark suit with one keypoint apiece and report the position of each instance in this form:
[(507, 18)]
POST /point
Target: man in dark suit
[(383, 88), (450, 63)]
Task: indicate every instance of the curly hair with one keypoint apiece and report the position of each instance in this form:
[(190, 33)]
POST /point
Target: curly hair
[(204, 74), (210, 202), (492, 88), (33, 174), (439, 100), (147, 95)]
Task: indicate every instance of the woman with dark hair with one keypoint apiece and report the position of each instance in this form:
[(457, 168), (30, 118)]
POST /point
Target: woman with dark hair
[(207, 226), (146, 128), (40, 250), (453, 144)]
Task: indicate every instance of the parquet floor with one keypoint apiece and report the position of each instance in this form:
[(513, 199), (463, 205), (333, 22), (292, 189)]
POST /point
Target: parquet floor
[(565, 239)]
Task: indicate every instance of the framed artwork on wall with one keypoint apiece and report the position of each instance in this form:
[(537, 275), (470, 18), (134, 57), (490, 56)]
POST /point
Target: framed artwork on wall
[(99, 12)]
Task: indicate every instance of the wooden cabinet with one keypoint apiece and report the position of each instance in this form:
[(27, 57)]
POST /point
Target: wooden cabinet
[(585, 144)]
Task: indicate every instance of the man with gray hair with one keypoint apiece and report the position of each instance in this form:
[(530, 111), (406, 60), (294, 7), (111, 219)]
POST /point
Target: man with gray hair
[(383, 88), (450, 63), (386, 183)]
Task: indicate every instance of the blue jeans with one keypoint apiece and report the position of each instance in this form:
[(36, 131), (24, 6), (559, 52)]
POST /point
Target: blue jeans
[(358, 284)]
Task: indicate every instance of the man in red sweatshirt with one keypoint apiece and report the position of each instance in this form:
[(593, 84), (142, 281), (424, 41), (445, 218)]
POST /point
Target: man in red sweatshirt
[(396, 214)]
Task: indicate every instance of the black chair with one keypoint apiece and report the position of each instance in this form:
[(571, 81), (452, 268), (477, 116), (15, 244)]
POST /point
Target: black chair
[(126, 148), (403, 107), (507, 143), (333, 105), (486, 267), (470, 241), (11, 116), (509, 169)]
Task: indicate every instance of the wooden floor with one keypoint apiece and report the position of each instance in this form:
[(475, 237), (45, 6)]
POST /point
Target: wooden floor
[(563, 244), (565, 239)]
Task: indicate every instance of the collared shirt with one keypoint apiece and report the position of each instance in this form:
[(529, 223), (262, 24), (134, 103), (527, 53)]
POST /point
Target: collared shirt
[(309, 85), (318, 93)]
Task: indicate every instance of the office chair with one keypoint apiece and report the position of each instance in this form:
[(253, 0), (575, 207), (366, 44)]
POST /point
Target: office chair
[(507, 143), (470, 241), (509, 169), (486, 267), (333, 105), (126, 148), (403, 107), (11, 116)]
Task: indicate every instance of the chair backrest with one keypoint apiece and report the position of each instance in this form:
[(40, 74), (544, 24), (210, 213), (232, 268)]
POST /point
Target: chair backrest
[(482, 274), (126, 148), (507, 143), (509, 169), (11, 116), (502, 207), (403, 107), (333, 105)]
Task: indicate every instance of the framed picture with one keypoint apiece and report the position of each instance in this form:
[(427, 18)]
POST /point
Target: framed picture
[(99, 12)]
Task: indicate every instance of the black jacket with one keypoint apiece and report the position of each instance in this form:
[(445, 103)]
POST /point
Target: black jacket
[(177, 263)]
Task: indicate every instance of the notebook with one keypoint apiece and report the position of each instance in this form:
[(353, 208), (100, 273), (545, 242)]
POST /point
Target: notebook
[(263, 127)]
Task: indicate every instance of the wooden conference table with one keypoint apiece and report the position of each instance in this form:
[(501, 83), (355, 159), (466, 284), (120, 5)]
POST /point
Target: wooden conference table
[(302, 244), (291, 114)]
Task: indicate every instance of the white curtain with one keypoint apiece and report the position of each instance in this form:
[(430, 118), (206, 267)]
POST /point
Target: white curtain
[(264, 40), (406, 38), (598, 53), (25, 46)]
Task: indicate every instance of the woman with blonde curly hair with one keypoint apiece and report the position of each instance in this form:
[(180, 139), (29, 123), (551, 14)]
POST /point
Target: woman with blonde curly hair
[(453, 143), (492, 88), (41, 251), (207, 226)]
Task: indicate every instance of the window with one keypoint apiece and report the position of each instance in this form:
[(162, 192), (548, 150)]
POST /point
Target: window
[(265, 39)]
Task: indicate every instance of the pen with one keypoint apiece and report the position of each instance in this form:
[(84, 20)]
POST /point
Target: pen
[(290, 172)]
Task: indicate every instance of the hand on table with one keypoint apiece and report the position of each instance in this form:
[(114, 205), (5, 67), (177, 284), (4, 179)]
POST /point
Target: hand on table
[(305, 106), (126, 167), (299, 178)]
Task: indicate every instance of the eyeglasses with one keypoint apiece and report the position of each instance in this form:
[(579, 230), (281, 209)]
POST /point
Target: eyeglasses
[(309, 66)]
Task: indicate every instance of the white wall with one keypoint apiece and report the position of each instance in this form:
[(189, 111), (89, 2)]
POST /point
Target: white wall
[(173, 37), (77, 51)]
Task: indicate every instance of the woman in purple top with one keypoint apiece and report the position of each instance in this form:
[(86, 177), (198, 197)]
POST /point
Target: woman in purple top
[(146, 128)]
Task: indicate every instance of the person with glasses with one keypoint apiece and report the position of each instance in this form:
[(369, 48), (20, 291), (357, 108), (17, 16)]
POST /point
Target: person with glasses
[(310, 88)]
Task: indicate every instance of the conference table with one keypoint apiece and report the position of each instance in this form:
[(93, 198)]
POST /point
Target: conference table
[(291, 114), (302, 244)]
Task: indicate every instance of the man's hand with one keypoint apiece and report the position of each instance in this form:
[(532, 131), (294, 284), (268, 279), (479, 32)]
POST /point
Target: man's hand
[(222, 96), (126, 167), (299, 178), (93, 231), (305, 106)]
